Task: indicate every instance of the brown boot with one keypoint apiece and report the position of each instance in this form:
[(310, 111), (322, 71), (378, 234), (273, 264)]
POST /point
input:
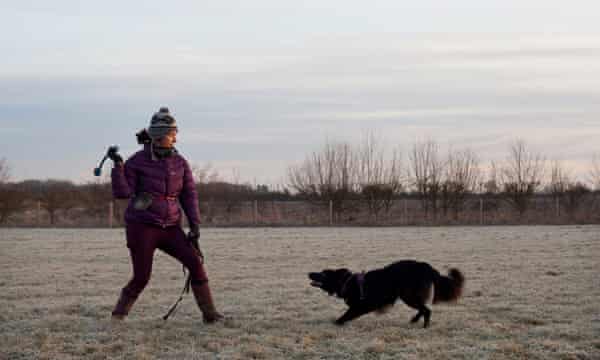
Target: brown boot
[(123, 306), (205, 303)]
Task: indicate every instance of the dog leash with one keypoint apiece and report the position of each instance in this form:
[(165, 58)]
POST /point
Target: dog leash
[(186, 286), (186, 289)]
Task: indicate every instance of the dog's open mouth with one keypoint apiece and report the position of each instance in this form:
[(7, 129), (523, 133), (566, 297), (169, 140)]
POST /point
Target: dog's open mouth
[(316, 278)]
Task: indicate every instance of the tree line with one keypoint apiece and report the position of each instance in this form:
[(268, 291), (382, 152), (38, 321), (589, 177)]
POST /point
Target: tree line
[(341, 175), (54, 196), (443, 182)]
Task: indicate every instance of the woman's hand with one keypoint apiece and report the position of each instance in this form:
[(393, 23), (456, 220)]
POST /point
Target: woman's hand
[(193, 236), (194, 233), (114, 155)]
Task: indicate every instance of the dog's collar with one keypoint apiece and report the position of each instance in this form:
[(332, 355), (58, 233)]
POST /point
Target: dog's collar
[(360, 280), (342, 292)]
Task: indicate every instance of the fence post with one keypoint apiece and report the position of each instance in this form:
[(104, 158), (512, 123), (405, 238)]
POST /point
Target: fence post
[(557, 207), (481, 211), (330, 212), (277, 218), (209, 209), (405, 211), (255, 212), (111, 213), (38, 214)]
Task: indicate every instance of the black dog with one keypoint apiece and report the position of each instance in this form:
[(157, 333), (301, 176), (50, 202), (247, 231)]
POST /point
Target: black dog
[(376, 290)]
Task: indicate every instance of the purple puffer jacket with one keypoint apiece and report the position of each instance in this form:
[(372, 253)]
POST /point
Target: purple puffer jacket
[(170, 182)]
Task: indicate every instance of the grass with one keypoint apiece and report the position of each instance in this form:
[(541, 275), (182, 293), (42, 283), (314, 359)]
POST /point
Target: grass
[(531, 293)]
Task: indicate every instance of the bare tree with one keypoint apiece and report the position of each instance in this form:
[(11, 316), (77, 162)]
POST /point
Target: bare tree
[(96, 196), (205, 174), (595, 172), (491, 184), (461, 178), (235, 194), (521, 176), (209, 184), (57, 195), (379, 176), (12, 199), (569, 193), (427, 171), (574, 197), (489, 188), (327, 175), (559, 180), (229, 195), (4, 171)]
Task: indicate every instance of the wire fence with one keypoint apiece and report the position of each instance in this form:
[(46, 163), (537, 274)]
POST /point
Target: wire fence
[(400, 212)]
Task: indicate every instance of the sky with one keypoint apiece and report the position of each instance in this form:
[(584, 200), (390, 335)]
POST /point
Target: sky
[(256, 86)]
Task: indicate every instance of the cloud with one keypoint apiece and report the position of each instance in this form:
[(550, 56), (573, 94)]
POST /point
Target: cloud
[(12, 130), (439, 114), (242, 136), (261, 106)]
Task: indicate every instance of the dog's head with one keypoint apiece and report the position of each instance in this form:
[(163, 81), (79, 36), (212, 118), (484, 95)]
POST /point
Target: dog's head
[(329, 280)]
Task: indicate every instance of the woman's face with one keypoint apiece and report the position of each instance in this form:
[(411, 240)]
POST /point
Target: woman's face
[(168, 140)]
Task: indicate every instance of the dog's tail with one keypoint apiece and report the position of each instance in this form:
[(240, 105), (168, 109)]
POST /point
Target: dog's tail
[(448, 288)]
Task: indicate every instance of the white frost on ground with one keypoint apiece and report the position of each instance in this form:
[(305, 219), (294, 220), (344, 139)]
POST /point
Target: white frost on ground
[(531, 292)]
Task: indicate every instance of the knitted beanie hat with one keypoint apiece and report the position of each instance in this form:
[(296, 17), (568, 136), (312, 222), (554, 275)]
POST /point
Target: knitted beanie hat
[(161, 123)]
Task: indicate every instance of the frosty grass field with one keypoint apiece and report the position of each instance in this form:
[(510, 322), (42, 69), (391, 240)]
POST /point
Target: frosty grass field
[(531, 293)]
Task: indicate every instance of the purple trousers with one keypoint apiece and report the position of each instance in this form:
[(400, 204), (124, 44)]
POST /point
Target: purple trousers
[(143, 239)]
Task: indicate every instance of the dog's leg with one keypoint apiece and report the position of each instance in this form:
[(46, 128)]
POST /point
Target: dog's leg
[(417, 317), (351, 314), (423, 311), (427, 314)]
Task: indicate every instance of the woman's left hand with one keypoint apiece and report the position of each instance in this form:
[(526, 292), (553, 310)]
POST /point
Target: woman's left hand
[(193, 236)]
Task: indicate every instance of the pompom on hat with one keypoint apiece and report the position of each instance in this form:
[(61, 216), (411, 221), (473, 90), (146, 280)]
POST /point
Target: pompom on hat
[(161, 123)]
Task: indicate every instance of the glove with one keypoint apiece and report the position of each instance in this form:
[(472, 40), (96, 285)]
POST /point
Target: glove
[(194, 233), (193, 236), (114, 155)]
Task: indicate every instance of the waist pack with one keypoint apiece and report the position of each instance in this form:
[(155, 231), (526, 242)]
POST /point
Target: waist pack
[(142, 201)]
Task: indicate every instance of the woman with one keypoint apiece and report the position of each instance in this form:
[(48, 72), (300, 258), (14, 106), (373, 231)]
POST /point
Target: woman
[(157, 180)]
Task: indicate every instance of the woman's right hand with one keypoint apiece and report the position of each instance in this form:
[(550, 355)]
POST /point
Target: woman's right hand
[(114, 155)]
